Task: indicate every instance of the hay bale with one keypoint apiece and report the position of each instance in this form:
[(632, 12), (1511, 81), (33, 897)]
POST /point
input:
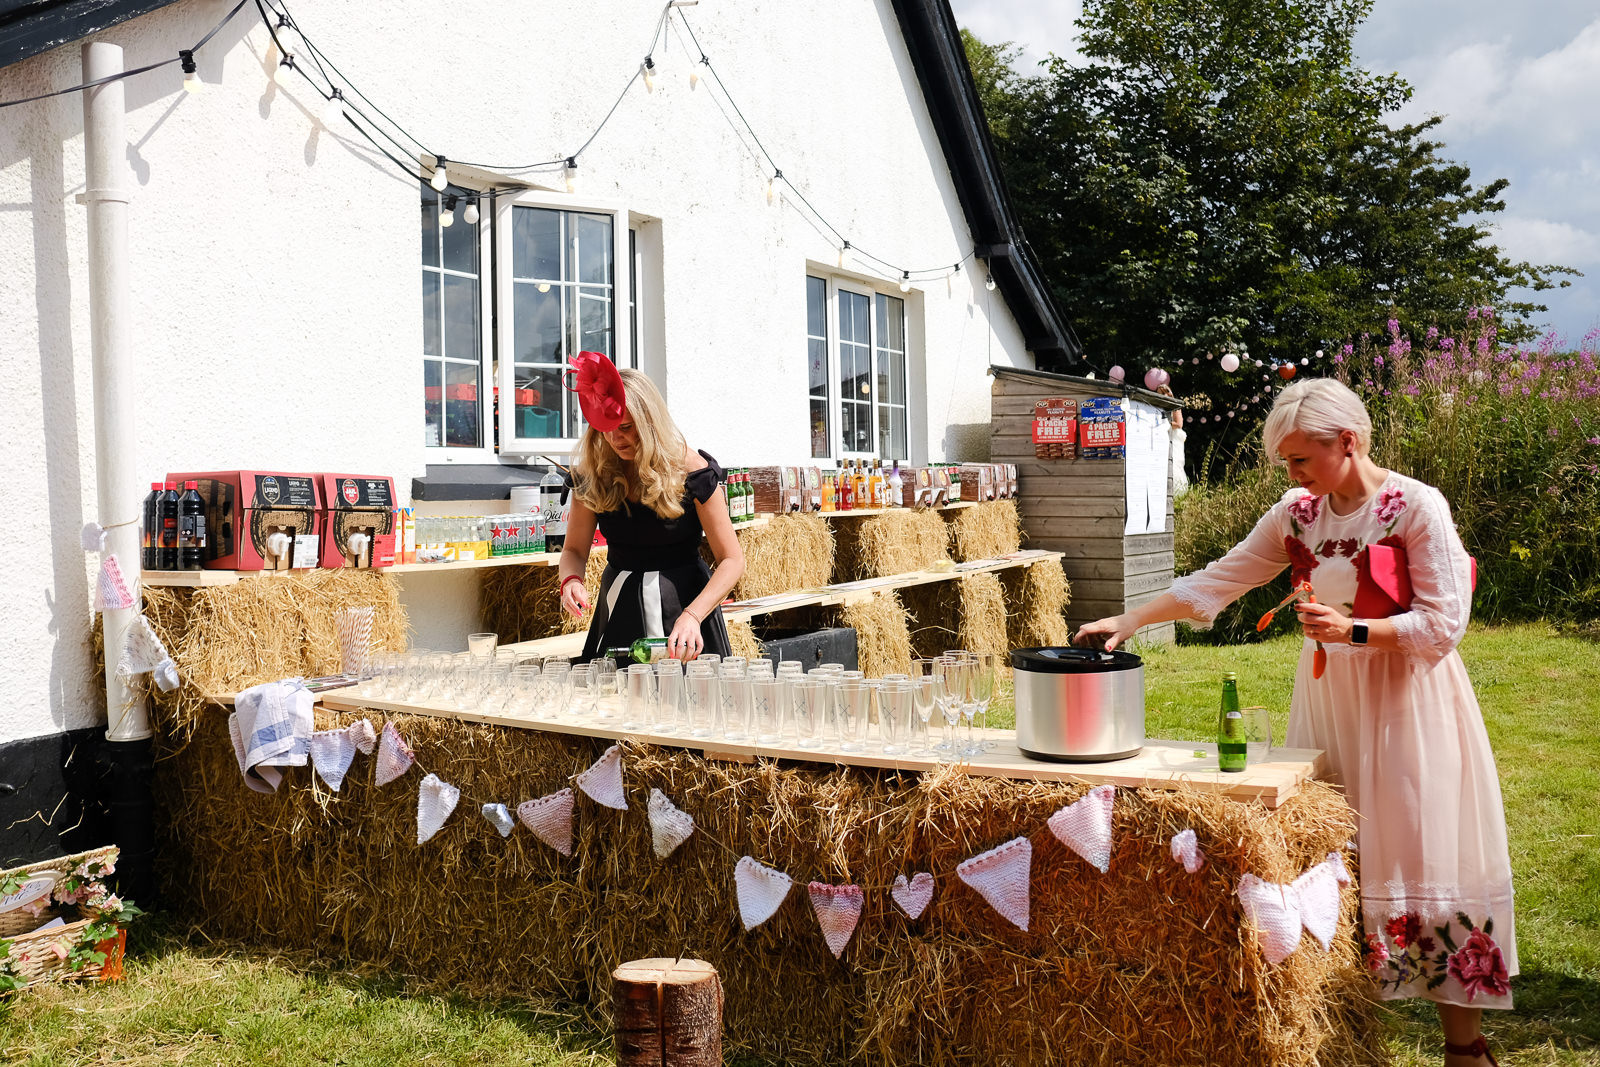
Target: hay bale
[(1037, 598), (1144, 964), (984, 532), (521, 603), (891, 543), (742, 639), (577, 624), (967, 613), (883, 639), (790, 552)]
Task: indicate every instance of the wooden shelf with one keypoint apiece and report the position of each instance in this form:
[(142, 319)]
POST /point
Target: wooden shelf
[(525, 559), (862, 513)]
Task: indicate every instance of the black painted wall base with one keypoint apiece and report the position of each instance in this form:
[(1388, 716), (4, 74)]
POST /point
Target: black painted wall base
[(53, 793)]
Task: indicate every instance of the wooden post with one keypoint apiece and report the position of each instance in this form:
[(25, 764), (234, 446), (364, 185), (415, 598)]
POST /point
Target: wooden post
[(668, 1013)]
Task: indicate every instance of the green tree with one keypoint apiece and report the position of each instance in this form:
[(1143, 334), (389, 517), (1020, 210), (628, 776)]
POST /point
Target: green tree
[(1212, 173)]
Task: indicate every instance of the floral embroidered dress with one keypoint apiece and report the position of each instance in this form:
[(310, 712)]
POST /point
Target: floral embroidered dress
[(1403, 736)]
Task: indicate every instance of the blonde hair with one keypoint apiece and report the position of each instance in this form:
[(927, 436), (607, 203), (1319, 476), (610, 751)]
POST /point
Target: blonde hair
[(1320, 408), (660, 465)]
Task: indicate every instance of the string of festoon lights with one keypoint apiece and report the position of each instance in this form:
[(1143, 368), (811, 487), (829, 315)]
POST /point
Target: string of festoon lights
[(298, 58), (1235, 356)]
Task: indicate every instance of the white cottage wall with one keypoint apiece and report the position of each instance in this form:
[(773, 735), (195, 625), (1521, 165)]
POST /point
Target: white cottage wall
[(278, 319)]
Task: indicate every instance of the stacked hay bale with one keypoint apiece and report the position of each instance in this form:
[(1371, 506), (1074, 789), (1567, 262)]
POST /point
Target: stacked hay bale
[(883, 639), (984, 532), (1037, 597), (893, 542), (789, 552), (967, 613)]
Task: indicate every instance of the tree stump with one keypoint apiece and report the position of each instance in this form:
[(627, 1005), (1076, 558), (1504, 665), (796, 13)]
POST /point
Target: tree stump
[(668, 1012)]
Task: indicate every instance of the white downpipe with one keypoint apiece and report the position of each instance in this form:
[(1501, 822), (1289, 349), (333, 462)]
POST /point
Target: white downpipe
[(105, 147)]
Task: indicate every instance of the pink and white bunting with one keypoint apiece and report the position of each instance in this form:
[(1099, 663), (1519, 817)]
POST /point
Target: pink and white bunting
[(913, 896), (1186, 850), (838, 909), (1084, 826), (436, 799), (1001, 877), (550, 819), (761, 891), (603, 780), (394, 755)]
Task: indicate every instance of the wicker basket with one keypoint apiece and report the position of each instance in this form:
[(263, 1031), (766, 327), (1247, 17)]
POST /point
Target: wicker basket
[(32, 957)]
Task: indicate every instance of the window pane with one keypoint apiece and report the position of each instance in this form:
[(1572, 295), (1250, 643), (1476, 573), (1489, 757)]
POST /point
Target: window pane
[(819, 427), (430, 227), (816, 307), (461, 317), (594, 320), (432, 403), (461, 243), (891, 432), (892, 316), (538, 323), (461, 405), (538, 400), (430, 314), (594, 249), (819, 366), (536, 243)]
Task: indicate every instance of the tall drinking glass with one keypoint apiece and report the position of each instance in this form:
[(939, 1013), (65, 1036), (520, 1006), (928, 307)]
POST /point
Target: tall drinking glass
[(669, 696), (766, 709), (894, 715), (603, 686), (850, 713), (701, 698), (482, 646), (807, 709), (638, 687), (580, 701), (735, 702)]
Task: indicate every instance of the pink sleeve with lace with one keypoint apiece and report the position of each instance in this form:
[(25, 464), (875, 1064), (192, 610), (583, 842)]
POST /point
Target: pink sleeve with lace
[(1441, 581), (1256, 560)]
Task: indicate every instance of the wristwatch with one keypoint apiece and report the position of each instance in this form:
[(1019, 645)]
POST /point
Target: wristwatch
[(1358, 633)]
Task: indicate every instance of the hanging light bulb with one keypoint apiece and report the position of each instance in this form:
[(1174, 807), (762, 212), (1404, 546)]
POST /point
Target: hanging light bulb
[(772, 186), (543, 287), (844, 254), (285, 72), (441, 177), (191, 76), (905, 281), (571, 173), (286, 35), (447, 214), (333, 110), (694, 73), (988, 282), (470, 214), (648, 69)]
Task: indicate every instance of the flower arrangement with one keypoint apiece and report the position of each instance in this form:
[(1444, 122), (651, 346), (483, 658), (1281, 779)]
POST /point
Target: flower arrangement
[(78, 946)]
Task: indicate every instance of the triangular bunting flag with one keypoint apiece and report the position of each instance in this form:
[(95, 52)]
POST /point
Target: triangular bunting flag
[(394, 755), (913, 896), (761, 890), (363, 736), (142, 652), (331, 753), (111, 592), (1085, 826), (603, 780), (436, 799), (669, 827), (1186, 850), (1317, 892), (1274, 910), (1001, 875), (92, 537), (838, 909), (499, 818), (1335, 862), (550, 819)]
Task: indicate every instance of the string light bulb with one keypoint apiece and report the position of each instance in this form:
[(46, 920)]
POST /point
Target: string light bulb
[(988, 282), (286, 35), (772, 186), (333, 110), (447, 213), (441, 177), (285, 72), (905, 281), (844, 254), (571, 172), (648, 69), (191, 76), (469, 214), (694, 73)]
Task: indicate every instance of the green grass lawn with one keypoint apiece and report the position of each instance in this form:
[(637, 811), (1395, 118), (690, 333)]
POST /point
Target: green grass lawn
[(189, 1002)]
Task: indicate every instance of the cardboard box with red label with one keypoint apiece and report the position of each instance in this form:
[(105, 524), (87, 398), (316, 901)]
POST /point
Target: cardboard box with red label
[(258, 520), (358, 520), (1055, 428)]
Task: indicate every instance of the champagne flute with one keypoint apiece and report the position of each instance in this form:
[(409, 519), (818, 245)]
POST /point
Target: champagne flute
[(950, 691), (981, 692)]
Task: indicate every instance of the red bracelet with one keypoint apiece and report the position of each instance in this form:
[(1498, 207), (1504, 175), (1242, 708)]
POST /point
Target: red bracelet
[(569, 578)]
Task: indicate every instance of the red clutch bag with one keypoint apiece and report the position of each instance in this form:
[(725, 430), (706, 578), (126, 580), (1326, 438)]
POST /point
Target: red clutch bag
[(1383, 582)]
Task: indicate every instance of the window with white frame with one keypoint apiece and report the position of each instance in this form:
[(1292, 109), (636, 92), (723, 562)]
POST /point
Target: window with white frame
[(550, 268), (858, 382)]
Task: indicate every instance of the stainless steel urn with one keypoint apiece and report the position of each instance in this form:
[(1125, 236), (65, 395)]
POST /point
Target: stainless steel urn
[(1080, 705)]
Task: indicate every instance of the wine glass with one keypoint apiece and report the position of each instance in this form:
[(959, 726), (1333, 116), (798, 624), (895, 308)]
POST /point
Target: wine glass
[(950, 676), (981, 669)]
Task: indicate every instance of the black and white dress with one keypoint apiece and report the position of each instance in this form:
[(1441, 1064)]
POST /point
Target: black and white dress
[(653, 569)]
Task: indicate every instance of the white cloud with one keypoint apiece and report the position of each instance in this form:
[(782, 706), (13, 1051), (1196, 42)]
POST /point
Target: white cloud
[(1038, 29), (1539, 240)]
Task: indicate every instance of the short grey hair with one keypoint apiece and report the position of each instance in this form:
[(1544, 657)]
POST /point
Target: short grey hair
[(1320, 408)]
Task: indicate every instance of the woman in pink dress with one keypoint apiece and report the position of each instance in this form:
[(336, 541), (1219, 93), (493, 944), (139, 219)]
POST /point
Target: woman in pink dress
[(1394, 710)]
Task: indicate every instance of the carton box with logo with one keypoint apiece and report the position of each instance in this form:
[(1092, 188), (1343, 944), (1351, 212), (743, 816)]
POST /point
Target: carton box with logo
[(259, 520), (778, 489), (358, 520)]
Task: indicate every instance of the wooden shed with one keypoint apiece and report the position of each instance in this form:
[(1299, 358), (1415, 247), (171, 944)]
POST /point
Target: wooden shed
[(1080, 506)]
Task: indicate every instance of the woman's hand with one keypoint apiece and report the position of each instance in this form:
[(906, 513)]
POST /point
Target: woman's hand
[(1322, 623), (1107, 633), (575, 598), (685, 642)]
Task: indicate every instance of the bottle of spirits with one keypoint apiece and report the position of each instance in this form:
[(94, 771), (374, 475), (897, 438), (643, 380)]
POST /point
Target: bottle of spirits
[(191, 527), (847, 491), (858, 478), (827, 492), (1230, 727), (896, 487), (167, 515), (150, 541)]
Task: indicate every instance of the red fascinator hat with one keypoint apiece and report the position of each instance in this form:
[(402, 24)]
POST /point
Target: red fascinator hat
[(600, 392)]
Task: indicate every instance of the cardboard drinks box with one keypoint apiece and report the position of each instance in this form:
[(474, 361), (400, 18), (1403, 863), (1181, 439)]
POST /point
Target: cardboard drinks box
[(977, 481), (358, 520), (1011, 480), (811, 499), (777, 489), (258, 520)]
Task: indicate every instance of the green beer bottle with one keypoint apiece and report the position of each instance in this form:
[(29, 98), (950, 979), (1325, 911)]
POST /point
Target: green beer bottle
[(644, 650), (1230, 727)]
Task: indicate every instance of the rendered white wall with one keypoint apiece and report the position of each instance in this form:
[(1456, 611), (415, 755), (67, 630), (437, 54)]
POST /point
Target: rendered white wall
[(278, 319)]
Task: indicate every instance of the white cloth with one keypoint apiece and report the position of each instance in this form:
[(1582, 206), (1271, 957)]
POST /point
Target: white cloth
[(1402, 731), (1180, 477), (436, 799), (669, 825), (271, 727)]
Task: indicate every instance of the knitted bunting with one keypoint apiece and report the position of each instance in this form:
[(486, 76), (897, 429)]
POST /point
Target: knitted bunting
[(669, 826), (394, 755), (913, 896), (142, 651), (838, 909), (331, 753), (92, 537), (111, 592), (1274, 910), (1335, 862), (1085, 826), (761, 889), (436, 799), (1001, 876), (499, 818), (1186, 850), (1317, 892), (603, 780), (363, 736), (550, 819)]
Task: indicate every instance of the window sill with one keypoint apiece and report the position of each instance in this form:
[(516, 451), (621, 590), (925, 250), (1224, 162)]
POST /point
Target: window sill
[(474, 481)]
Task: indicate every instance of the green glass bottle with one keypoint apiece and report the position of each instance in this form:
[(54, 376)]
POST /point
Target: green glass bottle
[(1230, 727), (644, 650)]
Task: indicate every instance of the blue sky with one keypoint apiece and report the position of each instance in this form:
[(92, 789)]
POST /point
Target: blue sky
[(1518, 85)]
